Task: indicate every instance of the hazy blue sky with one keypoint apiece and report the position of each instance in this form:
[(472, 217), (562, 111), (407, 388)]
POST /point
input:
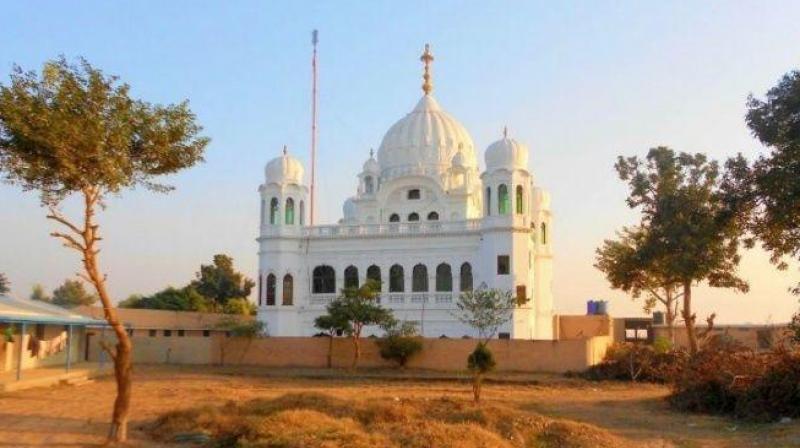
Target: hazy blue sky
[(578, 82)]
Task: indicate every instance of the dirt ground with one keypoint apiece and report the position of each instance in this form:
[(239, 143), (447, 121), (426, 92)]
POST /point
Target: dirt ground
[(76, 416)]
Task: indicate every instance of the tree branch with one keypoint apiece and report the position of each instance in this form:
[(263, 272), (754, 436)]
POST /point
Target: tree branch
[(69, 241), (107, 348), (55, 215)]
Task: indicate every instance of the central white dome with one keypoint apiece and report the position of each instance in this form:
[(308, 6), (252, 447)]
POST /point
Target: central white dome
[(425, 141)]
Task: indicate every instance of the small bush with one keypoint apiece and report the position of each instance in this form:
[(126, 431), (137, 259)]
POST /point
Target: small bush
[(400, 348), (481, 360), (637, 362), (401, 343), (740, 383)]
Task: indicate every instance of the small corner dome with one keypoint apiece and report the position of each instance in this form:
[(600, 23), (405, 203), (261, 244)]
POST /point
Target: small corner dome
[(371, 166), (458, 160), (349, 209), (284, 170), (506, 153)]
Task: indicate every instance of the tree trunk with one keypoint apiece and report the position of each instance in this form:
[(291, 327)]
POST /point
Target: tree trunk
[(689, 317), (670, 316), (330, 351), (118, 432), (356, 350), (477, 380)]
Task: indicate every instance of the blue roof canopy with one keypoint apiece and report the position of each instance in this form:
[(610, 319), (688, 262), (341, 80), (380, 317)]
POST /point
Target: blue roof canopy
[(32, 311)]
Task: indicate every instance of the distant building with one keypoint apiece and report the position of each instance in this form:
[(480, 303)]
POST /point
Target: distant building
[(425, 221), (165, 323)]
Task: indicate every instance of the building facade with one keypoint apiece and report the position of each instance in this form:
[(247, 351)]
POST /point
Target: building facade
[(425, 222)]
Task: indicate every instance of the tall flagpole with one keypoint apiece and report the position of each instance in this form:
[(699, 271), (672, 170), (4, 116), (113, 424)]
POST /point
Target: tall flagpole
[(314, 40)]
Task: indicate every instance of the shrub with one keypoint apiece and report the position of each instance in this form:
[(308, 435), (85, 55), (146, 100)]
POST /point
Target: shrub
[(400, 348), (637, 362), (401, 342), (740, 383)]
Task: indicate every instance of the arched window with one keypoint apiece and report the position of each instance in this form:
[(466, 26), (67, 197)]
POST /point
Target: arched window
[(260, 289), (433, 216), (289, 211), (351, 277), (544, 233), (419, 281), (414, 194), (466, 277), (374, 273), (369, 185), (273, 211), (518, 200), (394, 217), (263, 214), (271, 289), (444, 278), (288, 290), (413, 217), (396, 279), (323, 280), (488, 201), (302, 213), (502, 200)]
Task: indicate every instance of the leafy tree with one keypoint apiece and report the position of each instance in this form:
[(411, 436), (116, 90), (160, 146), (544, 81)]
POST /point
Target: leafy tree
[(184, 299), (692, 226), (485, 310), (220, 282), (4, 284), (239, 305), (331, 325), (72, 293), (401, 342), (621, 261), (773, 182), (73, 130), (37, 293), (794, 328), (355, 309)]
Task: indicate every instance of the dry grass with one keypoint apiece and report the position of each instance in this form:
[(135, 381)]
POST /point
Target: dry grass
[(316, 420)]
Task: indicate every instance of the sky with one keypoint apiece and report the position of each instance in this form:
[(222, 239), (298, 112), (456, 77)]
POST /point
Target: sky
[(579, 82)]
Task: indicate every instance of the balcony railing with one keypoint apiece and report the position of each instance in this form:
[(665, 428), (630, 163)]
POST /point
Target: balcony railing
[(362, 230), (401, 299)]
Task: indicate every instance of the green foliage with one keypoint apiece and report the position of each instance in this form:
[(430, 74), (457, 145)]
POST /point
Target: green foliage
[(174, 299), (4, 284), (773, 183), (37, 293), (239, 305), (72, 293), (624, 262), (73, 128), (794, 328), (218, 288), (481, 360), (8, 333), (485, 310), (691, 230), (220, 282), (356, 308), (662, 344), (331, 324), (401, 342)]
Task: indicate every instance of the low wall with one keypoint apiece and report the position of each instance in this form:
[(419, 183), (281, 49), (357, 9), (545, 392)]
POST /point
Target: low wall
[(437, 354), (583, 326), (754, 337)]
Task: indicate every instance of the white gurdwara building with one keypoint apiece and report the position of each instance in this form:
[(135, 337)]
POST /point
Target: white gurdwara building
[(425, 222)]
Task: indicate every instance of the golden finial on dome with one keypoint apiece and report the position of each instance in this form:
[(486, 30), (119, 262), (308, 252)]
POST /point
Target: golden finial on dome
[(285, 150), (427, 58), (371, 152), (505, 131)]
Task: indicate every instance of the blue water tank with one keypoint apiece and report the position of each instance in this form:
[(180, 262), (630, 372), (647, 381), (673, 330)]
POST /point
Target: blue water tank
[(591, 307), (602, 307)]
